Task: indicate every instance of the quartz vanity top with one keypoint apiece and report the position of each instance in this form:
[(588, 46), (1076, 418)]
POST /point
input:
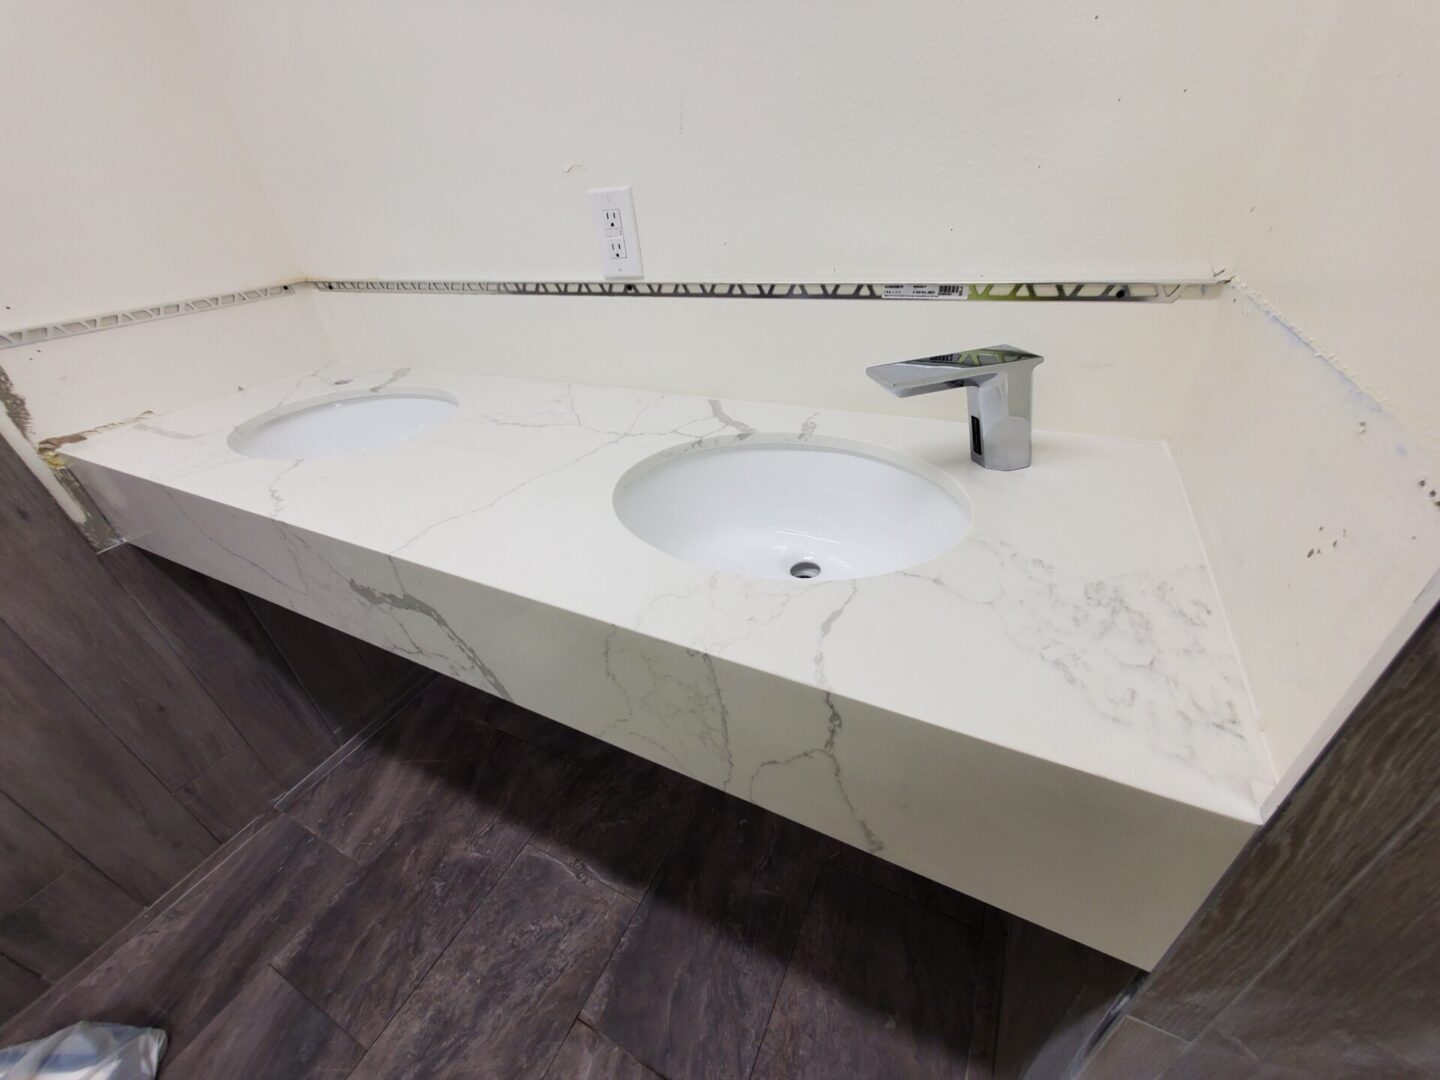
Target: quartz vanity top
[(1077, 622)]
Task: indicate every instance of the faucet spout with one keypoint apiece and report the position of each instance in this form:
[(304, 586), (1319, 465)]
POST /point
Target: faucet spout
[(997, 381)]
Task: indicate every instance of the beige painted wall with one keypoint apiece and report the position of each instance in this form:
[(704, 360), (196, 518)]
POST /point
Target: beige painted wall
[(1312, 431), (809, 140), (125, 181), (1345, 241)]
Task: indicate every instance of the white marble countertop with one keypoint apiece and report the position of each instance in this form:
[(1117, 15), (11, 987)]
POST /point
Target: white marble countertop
[(1076, 623)]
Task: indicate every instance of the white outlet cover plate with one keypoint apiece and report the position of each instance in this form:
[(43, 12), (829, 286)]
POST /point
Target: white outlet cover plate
[(626, 266)]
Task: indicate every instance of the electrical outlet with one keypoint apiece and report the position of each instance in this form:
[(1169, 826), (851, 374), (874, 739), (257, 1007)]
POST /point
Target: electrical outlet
[(614, 213)]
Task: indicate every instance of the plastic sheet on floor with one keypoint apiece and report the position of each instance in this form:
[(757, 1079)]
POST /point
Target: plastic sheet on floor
[(87, 1051)]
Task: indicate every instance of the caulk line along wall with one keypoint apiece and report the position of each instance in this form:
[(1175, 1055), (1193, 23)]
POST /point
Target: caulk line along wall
[(1290, 144)]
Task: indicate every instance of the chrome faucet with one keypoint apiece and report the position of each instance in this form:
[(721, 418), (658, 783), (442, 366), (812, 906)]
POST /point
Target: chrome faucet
[(997, 383)]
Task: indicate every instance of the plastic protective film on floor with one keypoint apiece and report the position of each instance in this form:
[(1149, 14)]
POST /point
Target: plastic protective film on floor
[(87, 1052)]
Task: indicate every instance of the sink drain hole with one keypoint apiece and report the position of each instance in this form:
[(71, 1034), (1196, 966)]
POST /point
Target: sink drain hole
[(805, 570)]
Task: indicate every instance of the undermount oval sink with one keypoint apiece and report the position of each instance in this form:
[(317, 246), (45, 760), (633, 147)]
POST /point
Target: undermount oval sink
[(337, 425), (770, 506)]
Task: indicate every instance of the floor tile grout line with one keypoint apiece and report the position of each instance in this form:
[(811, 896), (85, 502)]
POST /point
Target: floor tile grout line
[(235, 844), (79, 858), (590, 991), (251, 832), (644, 896), (600, 971), (1398, 837), (469, 916), (577, 768), (108, 725), (360, 865), (674, 841), (690, 821), (614, 948), (349, 748), (789, 960), (982, 959), (302, 685), (30, 970), (635, 906), (270, 966), (165, 638), (550, 1062), (66, 983), (306, 828), (316, 777), (580, 1021), (359, 868)]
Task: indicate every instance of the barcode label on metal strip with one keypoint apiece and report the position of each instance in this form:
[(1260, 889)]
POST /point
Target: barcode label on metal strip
[(924, 292)]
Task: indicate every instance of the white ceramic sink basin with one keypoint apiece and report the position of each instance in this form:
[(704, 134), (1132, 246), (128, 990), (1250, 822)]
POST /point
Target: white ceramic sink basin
[(337, 425), (770, 506)]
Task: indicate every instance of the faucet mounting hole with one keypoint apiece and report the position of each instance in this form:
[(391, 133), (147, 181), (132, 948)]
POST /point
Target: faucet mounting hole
[(805, 570)]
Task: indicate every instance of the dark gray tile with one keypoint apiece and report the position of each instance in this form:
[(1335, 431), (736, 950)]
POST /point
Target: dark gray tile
[(212, 629), (619, 819), (58, 598), (31, 856), (185, 965), (230, 794), (880, 986), (1374, 776), (1211, 1057), (394, 676), (1356, 994), (79, 974), (398, 775), (268, 1031), (367, 949), (549, 735), (910, 884), (691, 985), (989, 984), (1132, 1049), (328, 664), (127, 824), (65, 922), (588, 1055), (1055, 996), (18, 988), (500, 1000)]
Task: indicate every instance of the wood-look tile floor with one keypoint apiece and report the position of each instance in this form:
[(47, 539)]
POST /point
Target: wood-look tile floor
[(477, 892)]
